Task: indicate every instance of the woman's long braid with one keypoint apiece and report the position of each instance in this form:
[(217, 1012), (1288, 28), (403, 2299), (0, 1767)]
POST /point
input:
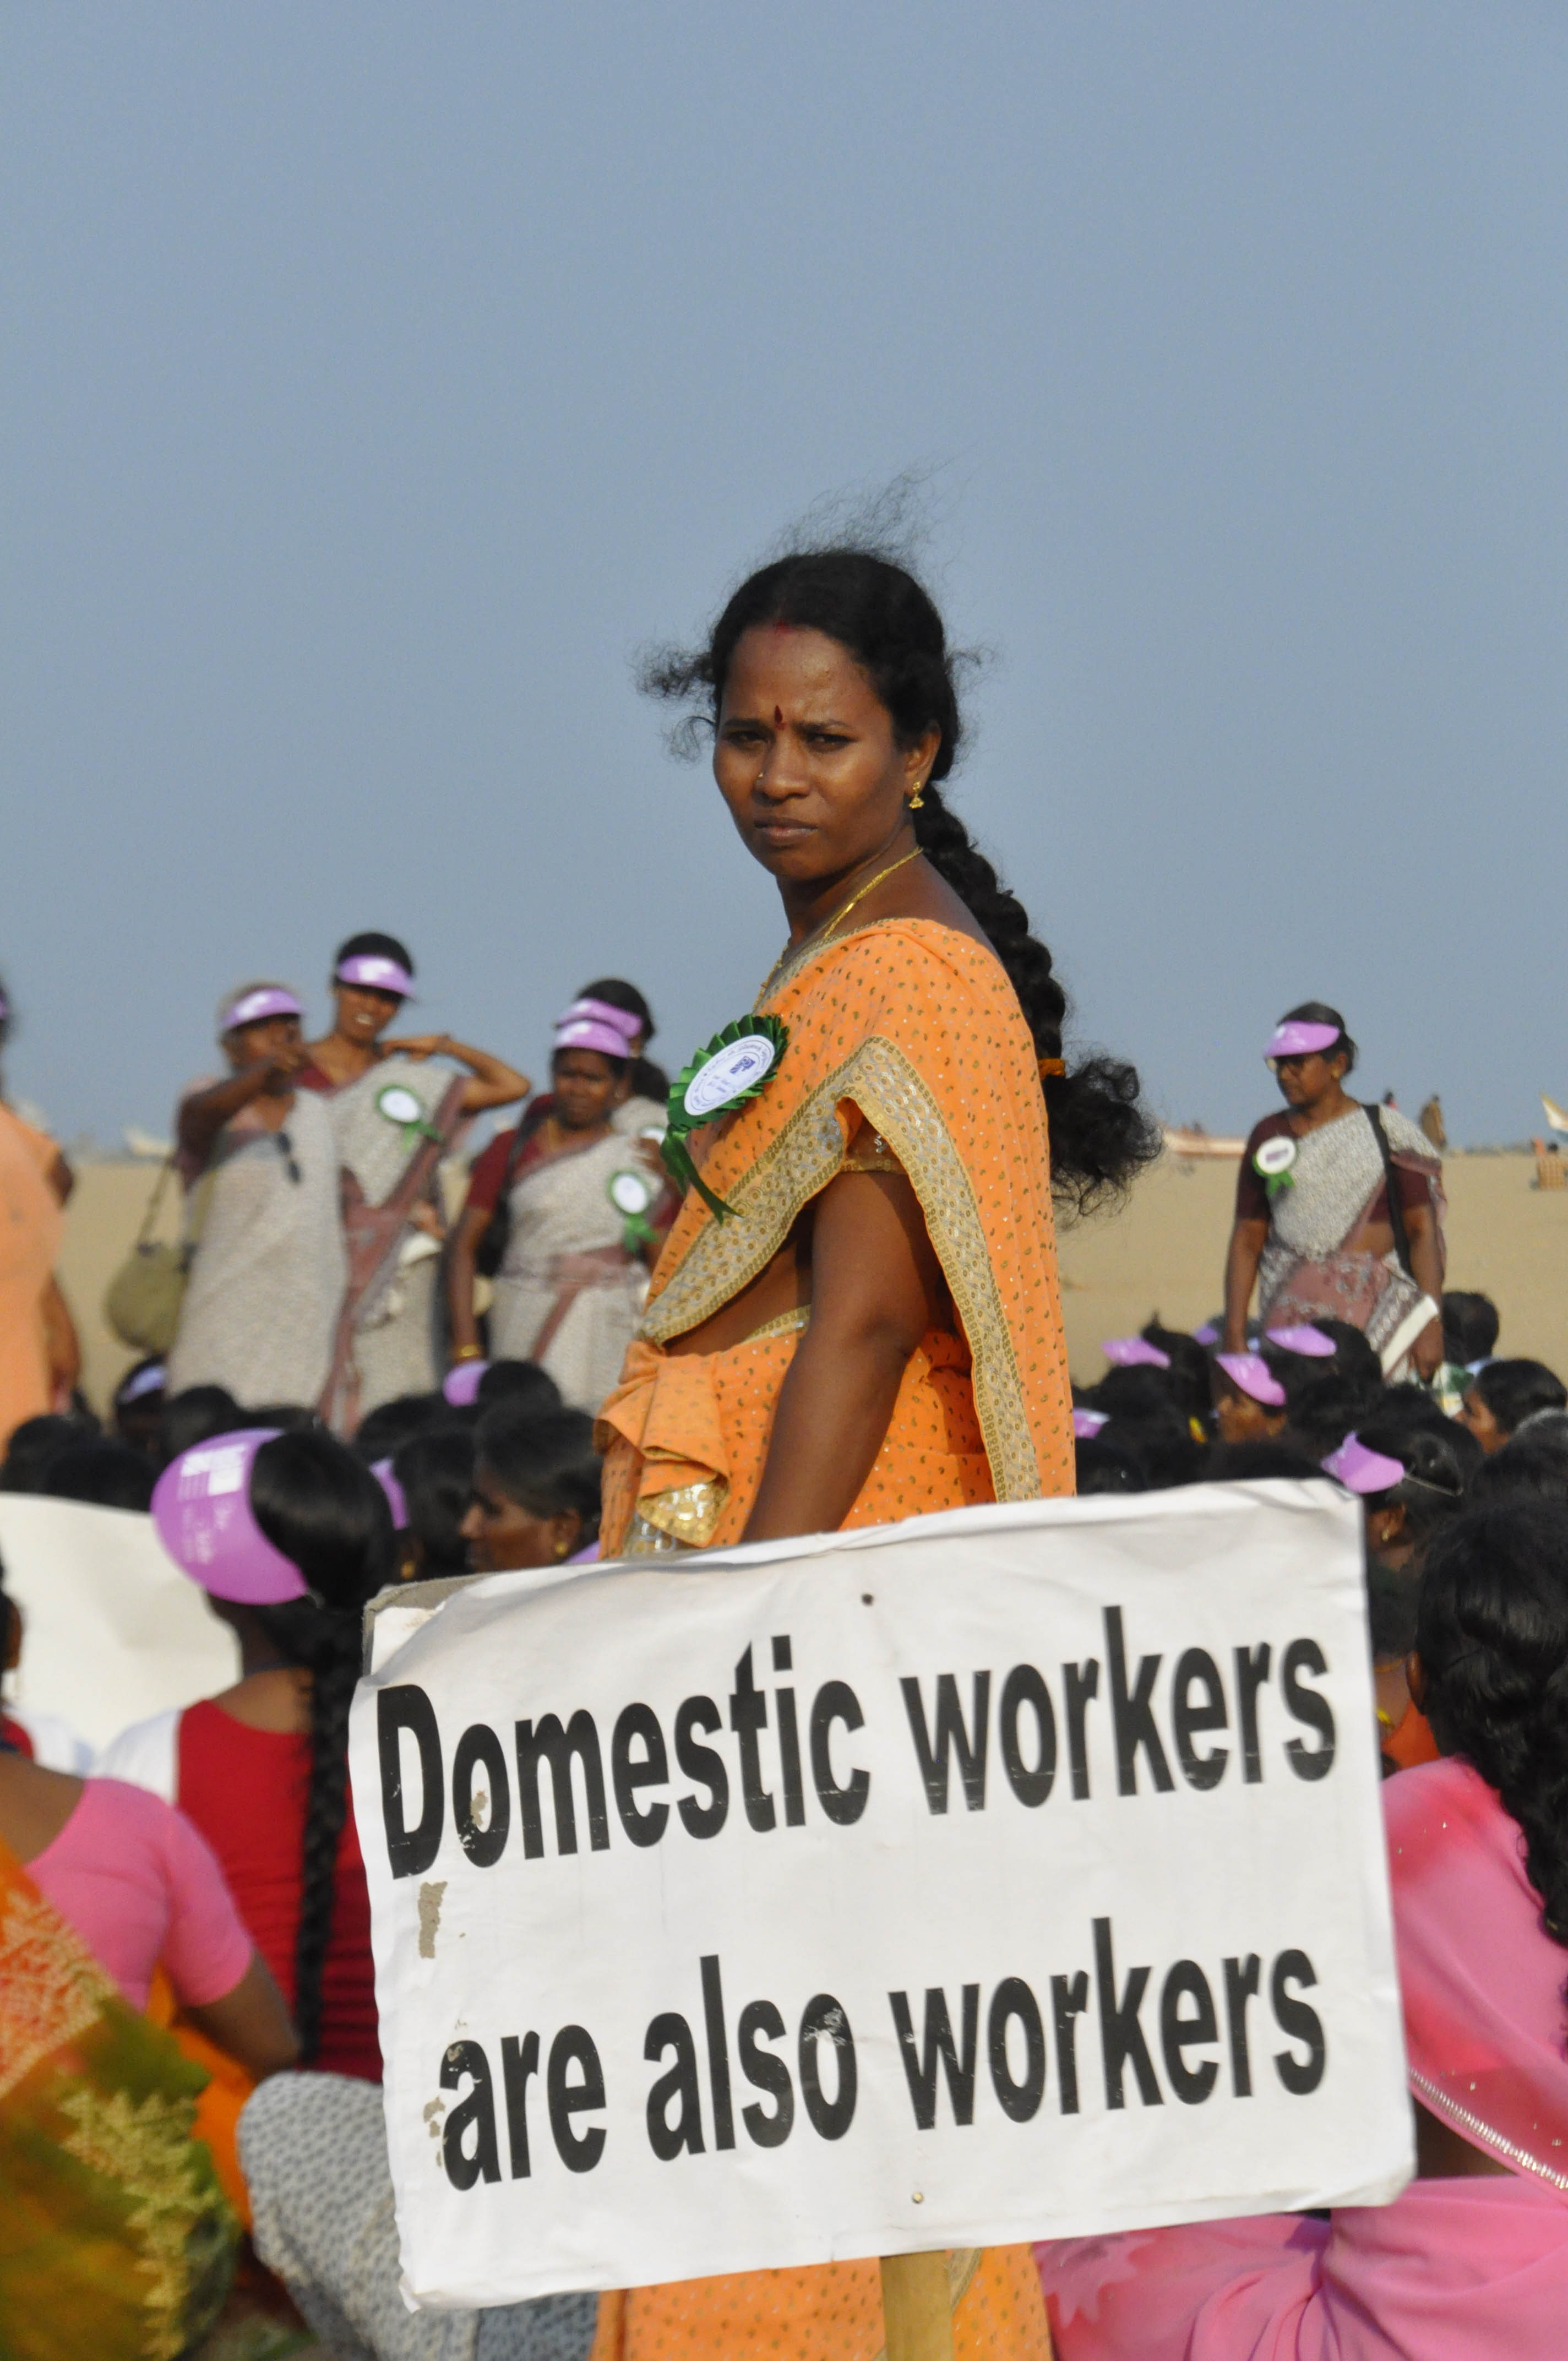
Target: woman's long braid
[(334, 1671), (953, 854)]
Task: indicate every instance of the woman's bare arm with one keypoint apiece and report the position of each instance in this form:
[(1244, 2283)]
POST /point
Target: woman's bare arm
[(876, 1286), (1242, 1259), (460, 1272), (1426, 1269), (205, 1113), (494, 1082), (250, 2024)]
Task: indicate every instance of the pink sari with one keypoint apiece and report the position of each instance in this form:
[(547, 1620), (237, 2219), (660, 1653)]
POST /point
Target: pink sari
[(1453, 2270)]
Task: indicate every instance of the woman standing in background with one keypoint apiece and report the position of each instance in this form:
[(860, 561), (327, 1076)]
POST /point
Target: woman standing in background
[(396, 1116), (259, 1161), (574, 1273)]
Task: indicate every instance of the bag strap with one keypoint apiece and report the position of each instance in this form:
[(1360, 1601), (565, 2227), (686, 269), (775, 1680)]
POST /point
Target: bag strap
[(151, 1216), (1395, 1210)]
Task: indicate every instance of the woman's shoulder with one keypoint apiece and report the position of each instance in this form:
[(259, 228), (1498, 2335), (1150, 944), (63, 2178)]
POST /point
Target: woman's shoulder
[(900, 955), (1404, 1136)]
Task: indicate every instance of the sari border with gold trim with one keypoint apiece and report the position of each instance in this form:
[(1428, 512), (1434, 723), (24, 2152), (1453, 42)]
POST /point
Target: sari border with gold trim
[(803, 1155)]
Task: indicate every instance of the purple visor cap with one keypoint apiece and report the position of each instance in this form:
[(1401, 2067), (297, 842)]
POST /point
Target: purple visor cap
[(201, 1512), (1309, 1341), (591, 1033), (620, 1020), (382, 1471), (1299, 1040), (1360, 1470), (252, 1006), (1253, 1377), (460, 1386), (376, 974), (1135, 1353), (1208, 1334), (1087, 1423)]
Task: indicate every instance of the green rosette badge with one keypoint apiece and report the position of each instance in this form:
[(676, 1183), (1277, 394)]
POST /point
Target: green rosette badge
[(1272, 1164), (400, 1105), (633, 1196), (721, 1079)]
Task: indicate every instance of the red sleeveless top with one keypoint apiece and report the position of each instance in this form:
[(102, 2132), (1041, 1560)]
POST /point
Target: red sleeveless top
[(246, 1790)]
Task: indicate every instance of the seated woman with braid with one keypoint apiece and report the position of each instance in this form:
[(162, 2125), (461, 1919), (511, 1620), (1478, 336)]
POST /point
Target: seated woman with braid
[(1470, 2262), (262, 1771), (856, 1317)]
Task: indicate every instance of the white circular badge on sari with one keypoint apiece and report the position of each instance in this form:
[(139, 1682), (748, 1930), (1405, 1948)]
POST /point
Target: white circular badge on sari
[(1275, 1156), (739, 1066), (631, 1192), (398, 1104)]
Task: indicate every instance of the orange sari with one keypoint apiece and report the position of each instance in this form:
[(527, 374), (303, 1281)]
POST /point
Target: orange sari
[(907, 1049)]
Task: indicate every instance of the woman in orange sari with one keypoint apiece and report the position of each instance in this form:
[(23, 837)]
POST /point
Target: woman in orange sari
[(856, 1318)]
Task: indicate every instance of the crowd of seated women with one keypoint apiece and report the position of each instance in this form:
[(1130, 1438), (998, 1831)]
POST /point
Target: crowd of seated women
[(211, 1868)]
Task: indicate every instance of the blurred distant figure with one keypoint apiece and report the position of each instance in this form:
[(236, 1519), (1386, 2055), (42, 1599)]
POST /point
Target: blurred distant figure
[(396, 1114), (40, 1358), (1339, 1207), (259, 1160), (1432, 1123)]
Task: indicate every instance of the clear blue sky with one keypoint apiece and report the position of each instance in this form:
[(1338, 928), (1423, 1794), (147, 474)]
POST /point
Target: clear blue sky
[(378, 378)]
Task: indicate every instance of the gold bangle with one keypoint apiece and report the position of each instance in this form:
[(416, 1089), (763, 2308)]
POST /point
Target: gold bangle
[(469, 1353)]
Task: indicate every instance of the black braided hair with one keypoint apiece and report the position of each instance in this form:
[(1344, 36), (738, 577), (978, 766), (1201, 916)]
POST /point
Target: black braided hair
[(328, 1515), (887, 620), (1492, 1637)]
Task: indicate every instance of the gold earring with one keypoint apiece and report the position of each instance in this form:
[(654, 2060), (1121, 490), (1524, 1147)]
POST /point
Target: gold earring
[(917, 800)]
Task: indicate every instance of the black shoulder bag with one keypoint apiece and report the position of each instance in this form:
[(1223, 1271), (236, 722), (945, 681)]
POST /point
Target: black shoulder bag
[(1395, 1210)]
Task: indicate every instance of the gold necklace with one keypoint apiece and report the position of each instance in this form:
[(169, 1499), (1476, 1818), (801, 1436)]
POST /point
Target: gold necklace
[(820, 933)]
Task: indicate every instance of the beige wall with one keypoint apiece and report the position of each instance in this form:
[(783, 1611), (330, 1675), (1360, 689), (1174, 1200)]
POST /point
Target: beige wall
[(1164, 1253)]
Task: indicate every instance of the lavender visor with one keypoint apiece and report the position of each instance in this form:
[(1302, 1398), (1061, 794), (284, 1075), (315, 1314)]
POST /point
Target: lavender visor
[(1087, 1423), (1309, 1341), (622, 1020), (376, 973), (382, 1471), (252, 1006), (1253, 1377), (460, 1386), (1299, 1040), (1135, 1353), (589, 1033), (1363, 1471), (202, 1514)]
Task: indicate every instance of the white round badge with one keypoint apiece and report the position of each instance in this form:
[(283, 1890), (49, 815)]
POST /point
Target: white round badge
[(739, 1066), (631, 1192), (398, 1105), (1275, 1156)]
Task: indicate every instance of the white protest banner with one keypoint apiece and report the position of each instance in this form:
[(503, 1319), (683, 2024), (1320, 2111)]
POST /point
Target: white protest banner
[(113, 1630), (1012, 1872)]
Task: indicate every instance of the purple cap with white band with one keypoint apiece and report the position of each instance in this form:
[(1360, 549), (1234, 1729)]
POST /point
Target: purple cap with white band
[(202, 1514), (591, 1033), (382, 1471), (1309, 1343), (152, 1380), (620, 1020), (1253, 1377), (1087, 1423), (1135, 1353), (374, 972), (1297, 1039), (251, 1008), (460, 1386), (1363, 1471)]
